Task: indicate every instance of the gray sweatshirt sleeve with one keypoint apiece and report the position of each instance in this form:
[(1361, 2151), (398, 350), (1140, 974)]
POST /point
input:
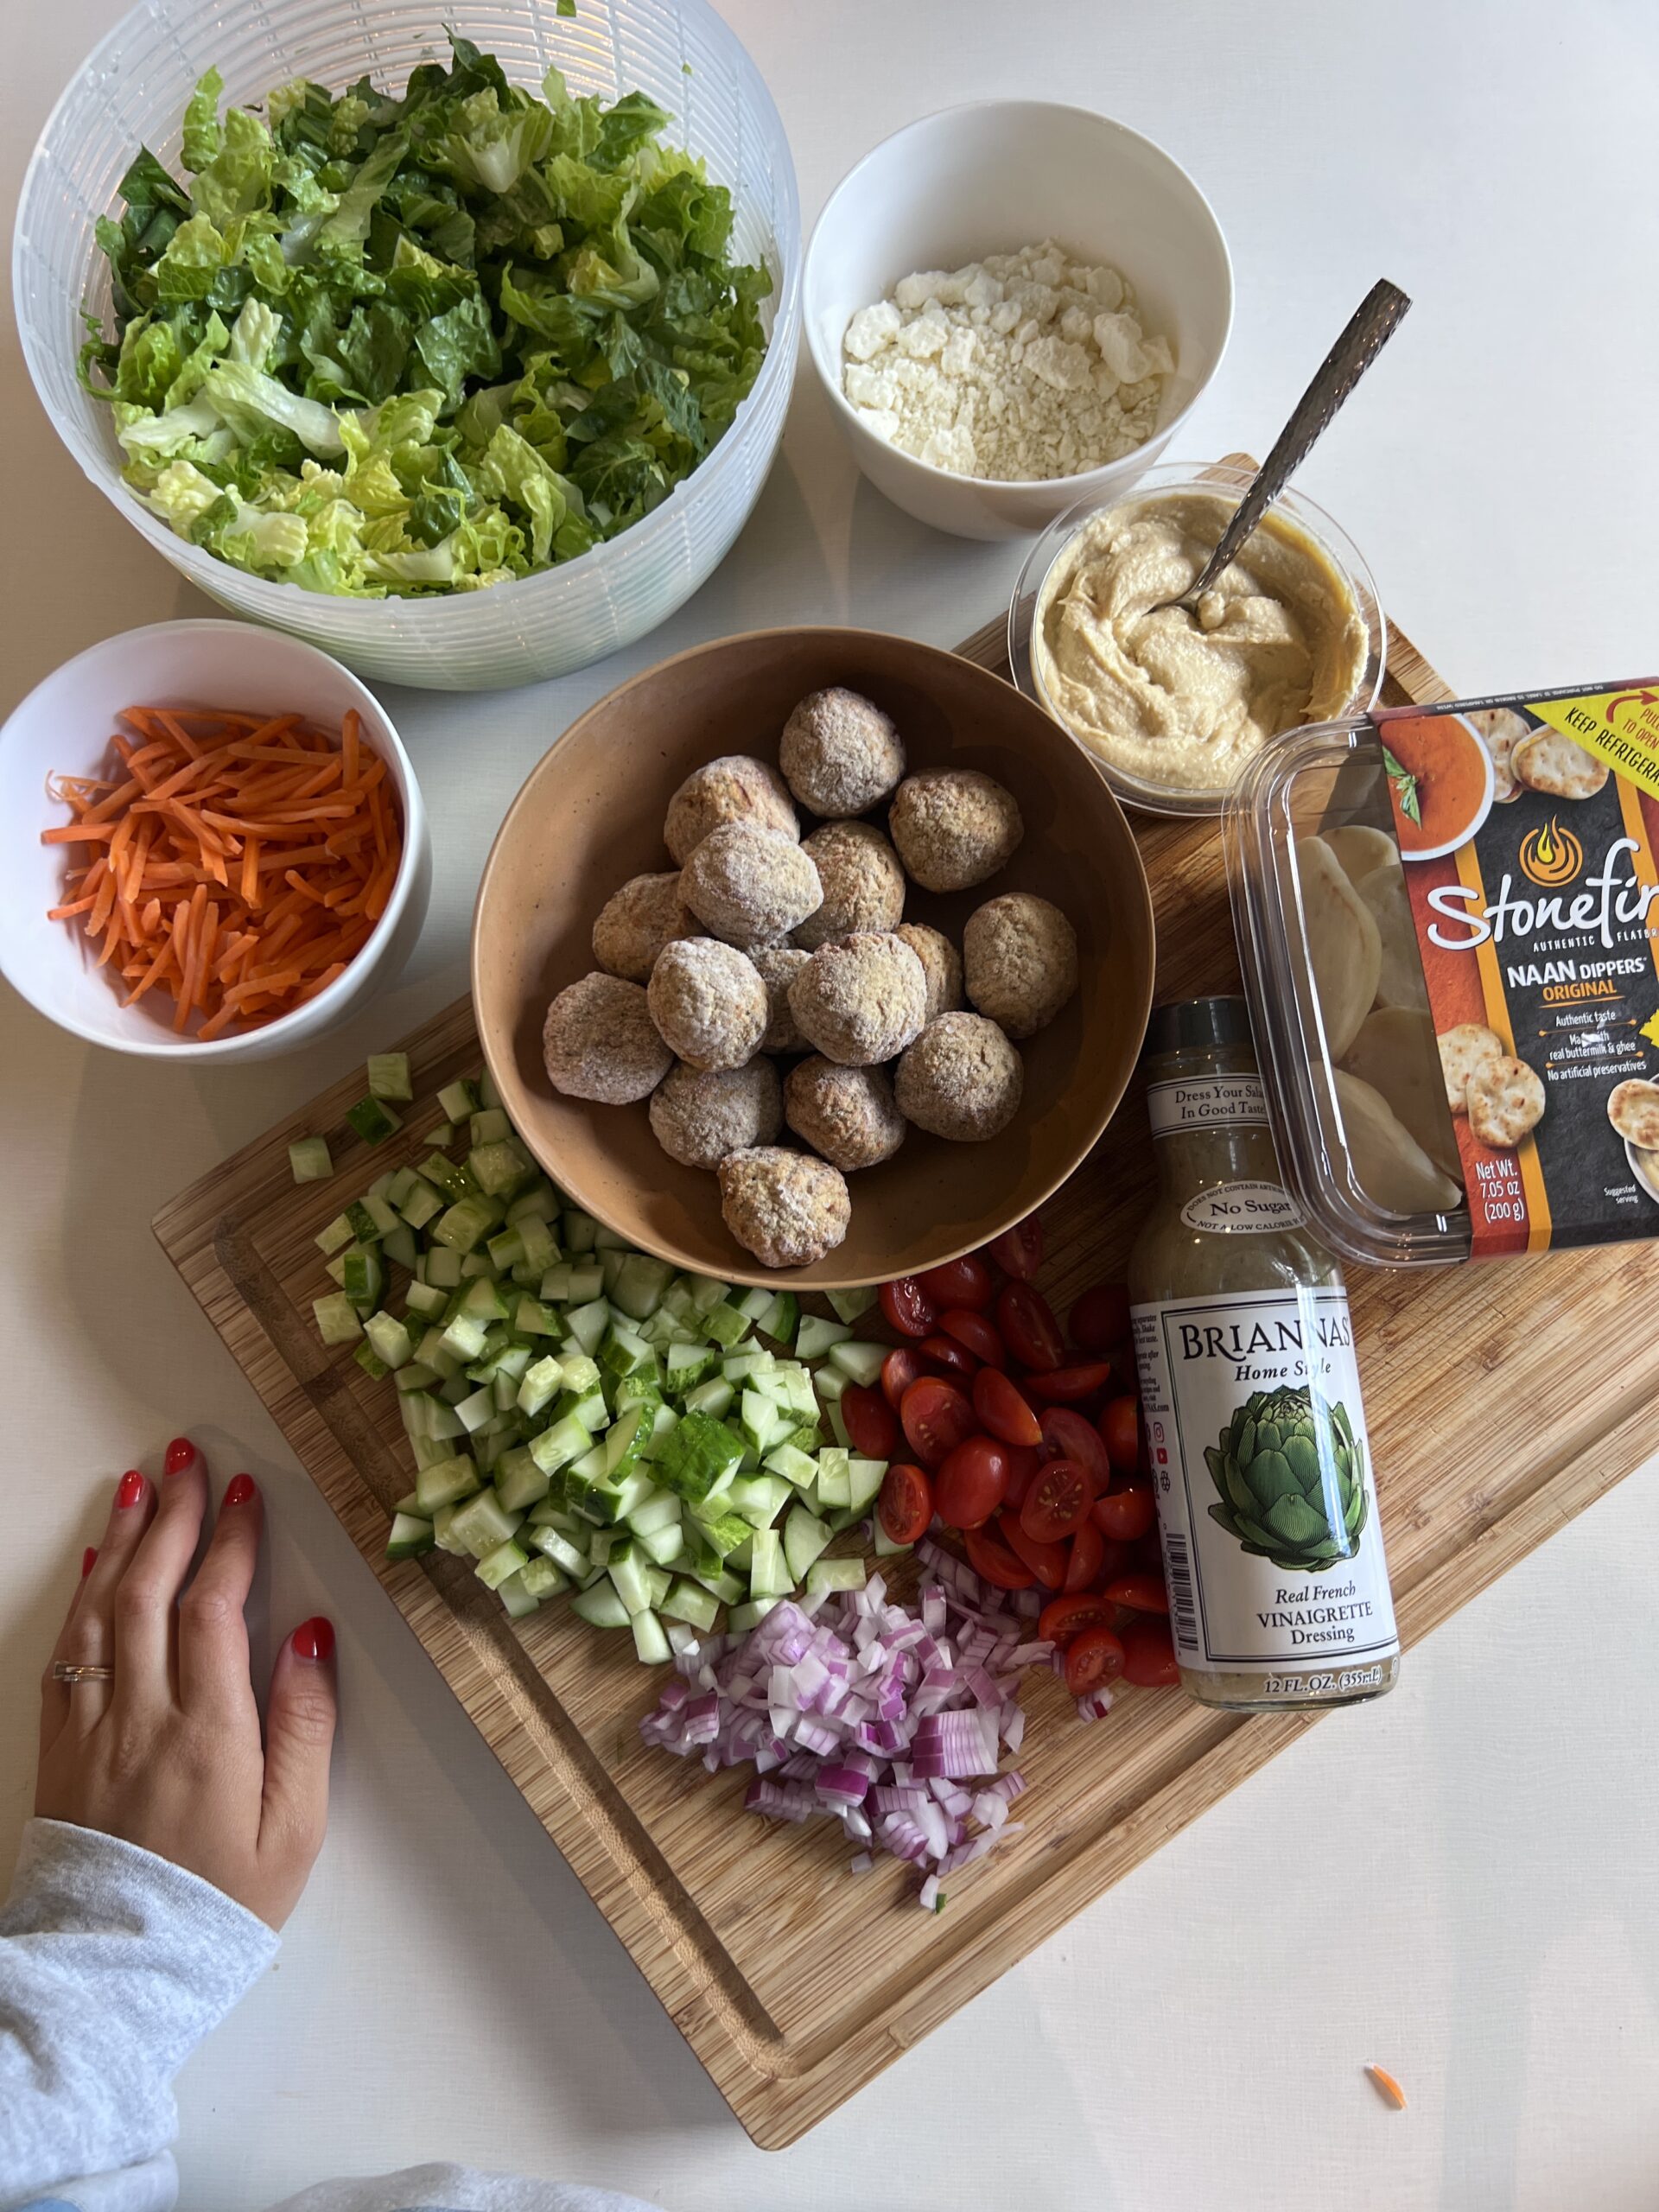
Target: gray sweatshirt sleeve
[(114, 1964)]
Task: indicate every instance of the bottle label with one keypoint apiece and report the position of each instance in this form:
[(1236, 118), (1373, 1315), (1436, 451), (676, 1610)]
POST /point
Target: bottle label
[(1206, 1101), (1243, 1209), (1266, 1502)]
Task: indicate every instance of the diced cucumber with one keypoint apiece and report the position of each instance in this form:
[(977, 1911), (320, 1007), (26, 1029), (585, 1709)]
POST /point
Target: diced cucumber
[(335, 1237), (442, 1267), (599, 1606), (794, 1465), (559, 1548), (791, 1386), (587, 1323), (458, 1100), (662, 1547), (769, 1575), (373, 1123), (455, 1182), (446, 1481), (518, 1481), (660, 1509), (759, 1499), (489, 1126), (686, 1365), (688, 1601), (399, 1244), (363, 1276), (410, 1536), (742, 1618), (726, 1588), (828, 1382), (700, 1454), (720, 1536), (557, 1446), (804, 1538), (849, 1303), (650, 1642), (628, 1570), (579, 1230), (779, 1321), (442, 1535), (388, 1074), (762, 1422), (540, 1386), (464, 1338), (442, 1135), (539, 1249), (835, 1477), (336, 1318), (884, 1546), (713, 1397), (725, 1325), (542, 1578), (658, 1583), (861, 1362), (389, 1338), (864, 1481), (752, 1365), (308, 1160), (624, 1352), (463, 1224), (816, 1336), (838, 1427), (371, 1363), (836, 1574), (482, 1522), (640, 1283), (500, 1171)]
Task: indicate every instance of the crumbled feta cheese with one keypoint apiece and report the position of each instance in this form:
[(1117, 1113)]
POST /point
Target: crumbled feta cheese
[(1025, 366)]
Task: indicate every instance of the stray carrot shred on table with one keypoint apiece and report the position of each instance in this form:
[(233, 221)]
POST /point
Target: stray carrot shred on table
[(239, 863), (1387, 2086)]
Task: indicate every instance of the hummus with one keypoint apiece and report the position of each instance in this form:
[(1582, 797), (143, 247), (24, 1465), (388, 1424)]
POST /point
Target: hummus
[(1179, 701)]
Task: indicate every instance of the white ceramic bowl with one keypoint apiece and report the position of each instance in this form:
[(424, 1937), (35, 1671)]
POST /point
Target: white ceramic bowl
[(65, 725), (991, 178), (133, 88)]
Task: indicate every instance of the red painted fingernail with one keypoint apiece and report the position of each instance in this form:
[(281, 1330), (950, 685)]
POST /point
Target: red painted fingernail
[(131, 1488), (180, 1452), (88, 1561), (241, 1490), (314, 1639)]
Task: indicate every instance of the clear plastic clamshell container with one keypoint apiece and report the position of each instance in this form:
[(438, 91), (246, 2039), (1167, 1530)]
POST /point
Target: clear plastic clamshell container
[(1335, 1152)]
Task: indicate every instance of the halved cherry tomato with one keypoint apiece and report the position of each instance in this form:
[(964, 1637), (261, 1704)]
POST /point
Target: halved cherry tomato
[(1029, 1328), (1019, 1251), (1099, 1322), (901, 1367), (1067, 1435), (1088, 1555), (1120, 1431), (973, 1329), (994, 1563), (1124, 1515), (1065, 1617), (1002, 1409), (966, 1281), (1149, 1656), (935, 1418), (1141, 1593), (1067, 1384), (1023, 1463), (972, 1483), (1118, 1559), (946, 1352), (1046, 1561), (1058, 1503), (870, 1422), (904, 1507), (1093, 1658), (908, 1306)]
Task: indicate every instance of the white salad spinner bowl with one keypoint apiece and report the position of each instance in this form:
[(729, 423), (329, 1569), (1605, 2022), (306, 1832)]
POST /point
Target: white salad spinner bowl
[(991, 178), (132, 91), (64, 727)]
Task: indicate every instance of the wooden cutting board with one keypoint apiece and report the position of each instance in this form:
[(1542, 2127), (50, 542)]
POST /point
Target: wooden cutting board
[(1501, 1403)]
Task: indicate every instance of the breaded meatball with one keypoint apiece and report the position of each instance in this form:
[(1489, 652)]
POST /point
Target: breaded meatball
[(953, 827), (961, 1079), (864, 884), (599, 1042), (699, 1115), (637, 922), (840, 753), (1020, 957), (779, 966), (750, 886), (708, 1002), (941, 965), (733, 788), (846, 1114), (786, 1207), (861, 1000)]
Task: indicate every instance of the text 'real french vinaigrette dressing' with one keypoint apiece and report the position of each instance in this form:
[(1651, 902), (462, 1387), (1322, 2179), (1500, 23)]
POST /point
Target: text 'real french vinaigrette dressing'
[(1266, 1502)]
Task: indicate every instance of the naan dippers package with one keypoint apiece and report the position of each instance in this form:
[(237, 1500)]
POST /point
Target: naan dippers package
[(1448, 920)]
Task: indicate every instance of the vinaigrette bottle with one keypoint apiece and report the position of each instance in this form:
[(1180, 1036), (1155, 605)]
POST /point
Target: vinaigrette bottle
[(1267, 1501)]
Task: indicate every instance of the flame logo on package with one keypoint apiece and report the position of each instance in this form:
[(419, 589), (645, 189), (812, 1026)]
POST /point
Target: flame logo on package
[(1551, 856), (1540, 938)]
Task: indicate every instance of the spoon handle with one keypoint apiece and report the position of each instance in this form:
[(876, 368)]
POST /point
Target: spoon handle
[(1375, 320)]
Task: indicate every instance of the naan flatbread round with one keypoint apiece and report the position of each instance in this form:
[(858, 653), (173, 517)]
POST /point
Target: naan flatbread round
[(1400, 979), (1343, 949), (1389, 1164), (1506, 1101), (1500, 729), (1359, 848), (1464, 1051), (1394, 1053), (1551, 763), (1633, 1109)]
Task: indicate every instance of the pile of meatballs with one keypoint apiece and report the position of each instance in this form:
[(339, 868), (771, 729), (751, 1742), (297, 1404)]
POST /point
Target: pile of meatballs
[(762, 945)]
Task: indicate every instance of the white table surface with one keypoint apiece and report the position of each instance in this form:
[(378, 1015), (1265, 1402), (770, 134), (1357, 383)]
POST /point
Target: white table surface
[(1459, 1884)]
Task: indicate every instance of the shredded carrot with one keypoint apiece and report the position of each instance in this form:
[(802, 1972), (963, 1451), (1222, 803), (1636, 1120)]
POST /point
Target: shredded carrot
[(239, 861), (1387, 2088)]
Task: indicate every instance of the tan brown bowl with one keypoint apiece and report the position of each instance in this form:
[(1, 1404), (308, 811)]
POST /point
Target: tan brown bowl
[(591, 815)]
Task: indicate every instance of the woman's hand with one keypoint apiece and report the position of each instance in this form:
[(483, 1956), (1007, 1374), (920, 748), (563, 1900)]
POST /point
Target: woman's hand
[(168, 1754)]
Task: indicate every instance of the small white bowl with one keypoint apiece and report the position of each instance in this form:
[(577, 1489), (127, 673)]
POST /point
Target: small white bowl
[(991, 178), (64, 726)]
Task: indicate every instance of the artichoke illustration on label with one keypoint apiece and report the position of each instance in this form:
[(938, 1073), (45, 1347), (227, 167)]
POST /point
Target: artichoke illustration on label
[(1291, 1477)]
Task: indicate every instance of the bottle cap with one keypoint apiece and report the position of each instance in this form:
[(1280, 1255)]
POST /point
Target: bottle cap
[(1192, 1025)]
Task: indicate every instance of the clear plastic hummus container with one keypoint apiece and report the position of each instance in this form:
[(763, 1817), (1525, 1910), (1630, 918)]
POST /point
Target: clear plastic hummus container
[(1448, 925), (1295, 524)]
